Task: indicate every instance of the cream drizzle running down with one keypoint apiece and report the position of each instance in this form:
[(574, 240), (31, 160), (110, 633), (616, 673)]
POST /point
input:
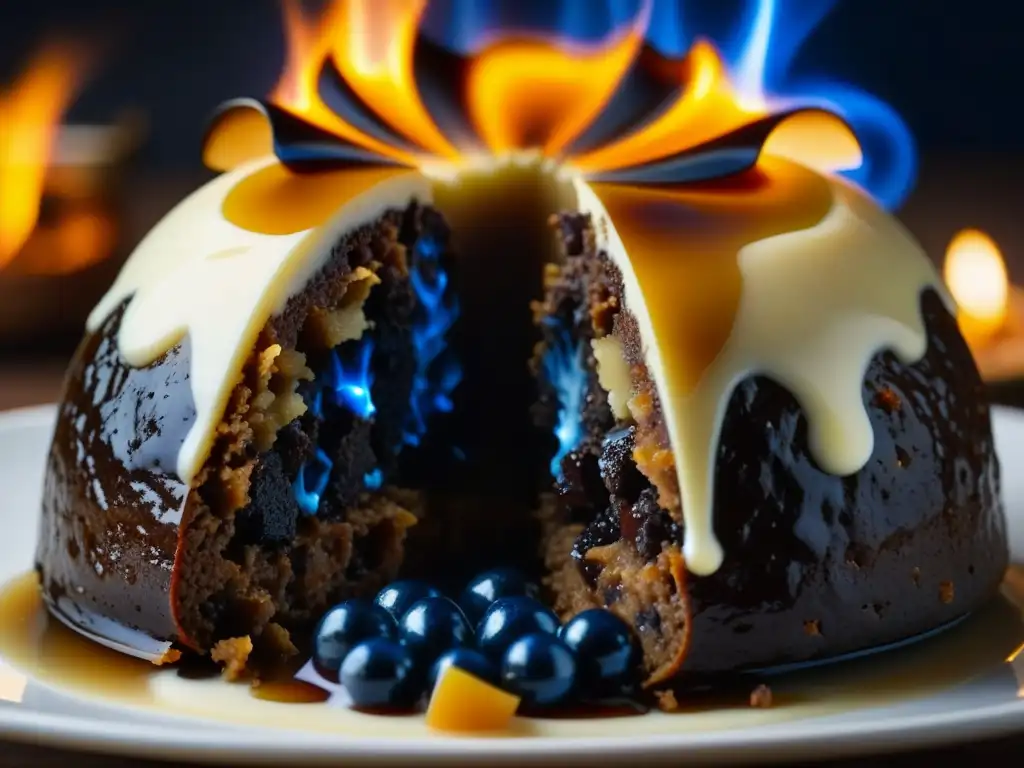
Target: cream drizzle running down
[(199, 272), (815, 306)]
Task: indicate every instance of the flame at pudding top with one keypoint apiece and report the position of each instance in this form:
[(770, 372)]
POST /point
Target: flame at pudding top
[(310, 45), (524, 92), (372, 46), (707, 107), (30, 113), (976, 275), (357, 78)]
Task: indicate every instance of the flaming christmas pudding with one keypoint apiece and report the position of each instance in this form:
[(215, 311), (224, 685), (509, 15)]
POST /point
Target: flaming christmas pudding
[(432, 293)]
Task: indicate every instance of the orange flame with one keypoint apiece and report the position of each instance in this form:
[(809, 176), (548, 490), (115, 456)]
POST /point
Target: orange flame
[(309, 44), (306, 47), (533, 92), (975, 273), (520, 94), (373, 49), (706, 108), (30, 113)]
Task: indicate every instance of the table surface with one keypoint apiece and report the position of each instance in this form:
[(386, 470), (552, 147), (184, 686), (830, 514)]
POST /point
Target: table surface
[(952, 193), (993, 754)]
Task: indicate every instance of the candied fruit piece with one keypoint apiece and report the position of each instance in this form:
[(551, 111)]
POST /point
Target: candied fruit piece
[(464, 703), (233, 654)]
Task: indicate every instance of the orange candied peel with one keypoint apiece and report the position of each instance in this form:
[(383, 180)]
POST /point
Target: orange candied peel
[(463, 703)]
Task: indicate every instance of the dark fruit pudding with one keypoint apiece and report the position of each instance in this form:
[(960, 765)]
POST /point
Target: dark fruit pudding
[(686, 378)]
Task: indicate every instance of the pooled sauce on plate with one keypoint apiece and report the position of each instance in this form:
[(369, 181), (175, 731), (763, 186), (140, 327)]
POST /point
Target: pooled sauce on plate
[(35, 649), (276, 684), (288, 692)]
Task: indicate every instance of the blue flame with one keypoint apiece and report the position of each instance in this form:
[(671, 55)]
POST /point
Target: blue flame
[(763, 68), (563, 366), (311, 482), (437, 374), (760, 54), (351, 383), (373, 480), (349, 387)]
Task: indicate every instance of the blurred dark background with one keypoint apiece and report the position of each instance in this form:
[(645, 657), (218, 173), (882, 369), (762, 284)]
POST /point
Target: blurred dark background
[(951, 69)]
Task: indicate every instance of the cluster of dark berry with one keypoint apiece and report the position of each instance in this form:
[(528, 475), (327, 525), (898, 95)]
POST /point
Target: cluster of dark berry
[(389, 653)]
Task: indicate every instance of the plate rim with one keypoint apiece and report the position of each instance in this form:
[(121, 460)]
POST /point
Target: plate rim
[(220, 742), (27, 416), (787, 741)]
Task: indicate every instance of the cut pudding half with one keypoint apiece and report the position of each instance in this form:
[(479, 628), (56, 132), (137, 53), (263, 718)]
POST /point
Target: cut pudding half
[(151, 538), (790, 483)]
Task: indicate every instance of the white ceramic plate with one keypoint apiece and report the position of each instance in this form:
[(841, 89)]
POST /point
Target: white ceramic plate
[(958, 686)]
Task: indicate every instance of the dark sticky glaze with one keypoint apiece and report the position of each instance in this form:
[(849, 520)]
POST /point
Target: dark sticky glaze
[(817, 564), (112, 501)]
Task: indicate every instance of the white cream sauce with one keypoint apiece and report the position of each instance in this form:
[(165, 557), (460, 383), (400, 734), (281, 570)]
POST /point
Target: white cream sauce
[(199, 274), (816, 306)]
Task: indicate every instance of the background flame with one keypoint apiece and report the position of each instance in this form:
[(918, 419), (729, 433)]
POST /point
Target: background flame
[(975, 273), (30, 113)]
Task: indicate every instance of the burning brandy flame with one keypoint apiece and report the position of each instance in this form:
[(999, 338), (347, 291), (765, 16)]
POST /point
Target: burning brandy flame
[(309, 45), (373, 43), (709, 106), (30, 112), (975, 273), (522, 93)]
